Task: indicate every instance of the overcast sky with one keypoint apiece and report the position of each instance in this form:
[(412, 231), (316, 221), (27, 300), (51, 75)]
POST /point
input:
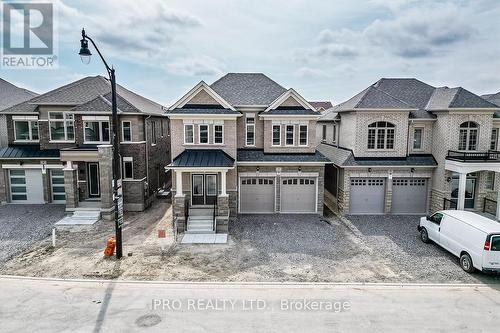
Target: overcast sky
[(326, 50)]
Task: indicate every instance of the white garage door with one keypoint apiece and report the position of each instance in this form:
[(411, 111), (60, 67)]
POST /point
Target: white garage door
[(298, 195), (409, 196), (26, 186), (367, 196), (257, 195)]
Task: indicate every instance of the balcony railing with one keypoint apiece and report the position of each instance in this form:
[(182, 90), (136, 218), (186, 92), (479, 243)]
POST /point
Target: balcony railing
[(473, 156), (449, 204)]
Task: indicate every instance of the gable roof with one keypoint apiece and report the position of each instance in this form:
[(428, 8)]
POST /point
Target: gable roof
[(92, 93), (493, 98), (329, 115), (413, 95), (182, 103), (247, 89), (11, 95), (325, 105)]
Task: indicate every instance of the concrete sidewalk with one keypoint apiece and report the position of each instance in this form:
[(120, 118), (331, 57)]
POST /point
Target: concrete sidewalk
[(83, 306)]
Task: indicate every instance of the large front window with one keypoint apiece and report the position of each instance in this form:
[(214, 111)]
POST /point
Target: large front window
[(62, 126), (381, 135), (250, 130), (468, 136), (96, 131), (26, 130)]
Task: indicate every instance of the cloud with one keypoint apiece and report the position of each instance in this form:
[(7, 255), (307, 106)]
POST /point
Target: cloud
[(195, 66), (311, 73), (420, 32)]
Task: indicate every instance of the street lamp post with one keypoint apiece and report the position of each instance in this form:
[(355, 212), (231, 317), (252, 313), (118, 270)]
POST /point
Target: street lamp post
[(117, 199)]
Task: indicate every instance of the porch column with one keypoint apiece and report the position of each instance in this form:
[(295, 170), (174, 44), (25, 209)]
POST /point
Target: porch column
[(498, 198), (462, 181), (223, 183), (178, 184)]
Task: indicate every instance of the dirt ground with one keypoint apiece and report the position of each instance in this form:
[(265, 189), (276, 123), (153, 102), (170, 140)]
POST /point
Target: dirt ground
[(259, 249)]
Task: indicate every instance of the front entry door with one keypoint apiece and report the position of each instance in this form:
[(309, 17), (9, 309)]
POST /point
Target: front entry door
[(204, 189), (93, 180), (470, 192)]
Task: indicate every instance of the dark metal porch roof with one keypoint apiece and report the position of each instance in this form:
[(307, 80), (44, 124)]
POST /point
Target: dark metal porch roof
[(202, 158)]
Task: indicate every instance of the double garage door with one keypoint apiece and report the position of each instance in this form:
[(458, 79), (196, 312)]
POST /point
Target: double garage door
[(258, 195), (409, 196)]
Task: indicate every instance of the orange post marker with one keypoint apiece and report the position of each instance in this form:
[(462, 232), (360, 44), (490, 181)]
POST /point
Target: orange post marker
[(162, 233), (110, 247)]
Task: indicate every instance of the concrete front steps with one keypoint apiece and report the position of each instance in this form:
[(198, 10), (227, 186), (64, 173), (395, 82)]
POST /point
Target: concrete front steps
[(200, 221), (81, 217)]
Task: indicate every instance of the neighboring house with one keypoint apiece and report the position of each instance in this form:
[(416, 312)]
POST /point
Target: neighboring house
[(405, 147), (10, 95), (492, 98), (321, 106), (243, 145), (60, 148)]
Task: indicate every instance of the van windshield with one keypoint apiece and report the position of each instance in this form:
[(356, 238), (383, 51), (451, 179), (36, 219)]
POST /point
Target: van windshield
[(495, 243)]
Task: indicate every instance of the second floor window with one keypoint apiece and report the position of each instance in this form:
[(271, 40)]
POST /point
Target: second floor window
[(334, 133), (381, 135), (303, 135), (276, 135), (62, 126), (290, 129), (468, 136), (250, 130), (126, 131), (323, 133), (203, 134), (494, 139), (218, 134), (188, 134), (417, 138), (96, 131), (25, 130)]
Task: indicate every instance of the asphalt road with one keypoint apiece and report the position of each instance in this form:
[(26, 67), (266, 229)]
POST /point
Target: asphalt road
[(102, 306)]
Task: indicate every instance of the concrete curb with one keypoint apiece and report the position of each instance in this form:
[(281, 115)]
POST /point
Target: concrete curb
[(188, 284)]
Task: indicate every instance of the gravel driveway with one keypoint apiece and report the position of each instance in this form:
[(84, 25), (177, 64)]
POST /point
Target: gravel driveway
[(22, 225), (396, 242)]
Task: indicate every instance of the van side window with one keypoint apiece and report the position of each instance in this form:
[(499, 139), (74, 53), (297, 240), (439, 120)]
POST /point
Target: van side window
[(436, 218), (495, 243)]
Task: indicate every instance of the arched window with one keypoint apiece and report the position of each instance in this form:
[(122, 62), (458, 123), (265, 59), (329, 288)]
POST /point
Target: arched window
[(468, 136), (381, 135)]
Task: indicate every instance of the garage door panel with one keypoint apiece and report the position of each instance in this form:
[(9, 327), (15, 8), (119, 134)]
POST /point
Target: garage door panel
[(367, 196), (298, 195), (26, 186), (409, 196), (257, 195)]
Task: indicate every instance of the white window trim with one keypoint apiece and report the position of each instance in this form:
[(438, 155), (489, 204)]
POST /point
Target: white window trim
[(324, 132), (127, 159), (185, 142), (421, 139), (29, 131), (468, 131), (250, 115), (123, 132), (496, 137), (272, 135), (222, 126), (100, 131), (307, 135), (376, 128), (199, 134), (293, 136), (64, 121)]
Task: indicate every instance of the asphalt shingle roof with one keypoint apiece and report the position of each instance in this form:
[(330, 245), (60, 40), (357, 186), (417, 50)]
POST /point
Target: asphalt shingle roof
[(27, 152), (202, 111), (329, 115), (410, 93), (336, 155), (292, 112), (493, 98), (11, 95), (321, 104), (258, 155), (247, 89), (202, 158), (103, 104)]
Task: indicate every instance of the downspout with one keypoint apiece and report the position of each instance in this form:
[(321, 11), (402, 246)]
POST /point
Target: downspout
[(408, 138), (147, 150)]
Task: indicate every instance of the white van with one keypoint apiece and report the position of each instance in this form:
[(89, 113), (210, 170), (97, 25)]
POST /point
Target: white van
[(473, 238)]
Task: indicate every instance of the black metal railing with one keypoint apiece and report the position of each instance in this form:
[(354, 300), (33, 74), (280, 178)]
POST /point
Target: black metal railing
[(490, 206), (473, 156), (449, 204)]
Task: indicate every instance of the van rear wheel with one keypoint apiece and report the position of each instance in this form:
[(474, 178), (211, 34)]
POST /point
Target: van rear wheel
[(424, 236), (466, 263)]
